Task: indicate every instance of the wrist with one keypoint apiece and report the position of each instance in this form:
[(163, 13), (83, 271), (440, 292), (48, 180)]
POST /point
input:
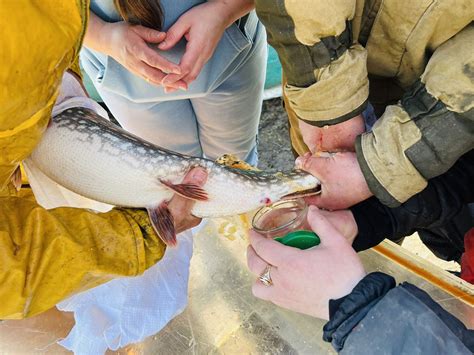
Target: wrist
[(231, 11), (97, 33), (107, 37)]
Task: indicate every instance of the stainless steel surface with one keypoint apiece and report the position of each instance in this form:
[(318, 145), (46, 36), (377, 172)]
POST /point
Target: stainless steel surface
[(222, 316)]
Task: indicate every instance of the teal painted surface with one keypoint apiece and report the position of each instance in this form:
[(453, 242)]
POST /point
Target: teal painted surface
[(272, 79), (90, 87)]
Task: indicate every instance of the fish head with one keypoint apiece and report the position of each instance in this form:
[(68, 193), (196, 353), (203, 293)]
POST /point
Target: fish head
[(271, 187), (290, 184), (234, 191)]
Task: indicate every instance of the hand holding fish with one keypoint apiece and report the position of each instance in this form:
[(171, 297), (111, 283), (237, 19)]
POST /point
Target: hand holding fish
[(128, 45), (181, 207), (342, 181)]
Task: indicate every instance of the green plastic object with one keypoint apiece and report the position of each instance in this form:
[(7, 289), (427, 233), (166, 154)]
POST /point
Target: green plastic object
[(300, 239)]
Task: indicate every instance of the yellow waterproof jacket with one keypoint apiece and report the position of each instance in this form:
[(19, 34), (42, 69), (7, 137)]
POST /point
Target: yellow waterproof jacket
[(48, 255), (419, 59)]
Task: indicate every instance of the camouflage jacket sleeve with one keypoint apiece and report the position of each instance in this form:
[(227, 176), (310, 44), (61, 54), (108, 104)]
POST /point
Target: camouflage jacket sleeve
[(430, 128), (325, 70)]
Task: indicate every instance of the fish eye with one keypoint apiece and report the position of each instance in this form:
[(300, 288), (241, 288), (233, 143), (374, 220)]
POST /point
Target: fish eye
[(266, 200)]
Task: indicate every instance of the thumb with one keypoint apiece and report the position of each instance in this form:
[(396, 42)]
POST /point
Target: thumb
[(149, 34), (181, 206), (197, 176), (174, 35), (316, 166), (318, 222), (270, 250)]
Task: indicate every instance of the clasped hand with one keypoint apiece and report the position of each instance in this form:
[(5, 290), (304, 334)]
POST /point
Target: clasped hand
[(202, 26)]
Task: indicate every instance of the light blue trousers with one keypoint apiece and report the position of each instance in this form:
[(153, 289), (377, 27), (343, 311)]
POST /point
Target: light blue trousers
[(217, 117)]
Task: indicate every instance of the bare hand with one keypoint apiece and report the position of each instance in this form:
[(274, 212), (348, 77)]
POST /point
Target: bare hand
[(203, 27), (181, 207), (305, 280), (128, 45), (339, 137), (342, 181), (344, 222)]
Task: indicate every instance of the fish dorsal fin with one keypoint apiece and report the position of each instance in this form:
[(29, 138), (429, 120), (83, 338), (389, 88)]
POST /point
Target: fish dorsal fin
[(163, 223), (232, 161), (191, 191)]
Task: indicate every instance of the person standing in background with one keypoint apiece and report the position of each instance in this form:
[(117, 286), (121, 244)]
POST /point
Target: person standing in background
[(201, 96)]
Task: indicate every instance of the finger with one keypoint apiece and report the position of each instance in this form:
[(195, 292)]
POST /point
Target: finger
[(181, 206), (174, 35), (191, 60), (188, 79), (153, 59), (169, 89), (199, 62), (196, 176), (270, 250), (189, 222), (301, 160), (174, 80), (150, 74), (344, 222), (313, 165), (261, 291), (323, 227), (255, 263), (149, 34)]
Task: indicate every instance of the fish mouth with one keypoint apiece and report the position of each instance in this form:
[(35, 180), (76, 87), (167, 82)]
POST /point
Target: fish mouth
[(303, 193)]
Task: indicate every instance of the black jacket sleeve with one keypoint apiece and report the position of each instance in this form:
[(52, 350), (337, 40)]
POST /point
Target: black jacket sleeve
[(443, 198), (379, 318)]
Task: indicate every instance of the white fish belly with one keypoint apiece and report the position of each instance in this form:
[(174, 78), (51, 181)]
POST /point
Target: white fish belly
[(90, 166), (230, 195)]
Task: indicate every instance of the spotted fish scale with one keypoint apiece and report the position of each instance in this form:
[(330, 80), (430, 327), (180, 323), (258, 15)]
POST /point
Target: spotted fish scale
[(91, 156)]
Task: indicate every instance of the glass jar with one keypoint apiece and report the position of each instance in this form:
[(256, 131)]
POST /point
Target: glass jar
[(285, 222), (281, 218)]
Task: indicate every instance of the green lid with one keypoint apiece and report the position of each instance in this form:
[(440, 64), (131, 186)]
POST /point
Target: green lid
[(300, 239)]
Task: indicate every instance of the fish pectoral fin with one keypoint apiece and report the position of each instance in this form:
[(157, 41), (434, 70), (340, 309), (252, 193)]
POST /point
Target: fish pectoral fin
[(191, 191), (163, 223)]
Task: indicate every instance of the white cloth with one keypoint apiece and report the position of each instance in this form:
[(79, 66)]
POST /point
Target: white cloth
[(125, 310)]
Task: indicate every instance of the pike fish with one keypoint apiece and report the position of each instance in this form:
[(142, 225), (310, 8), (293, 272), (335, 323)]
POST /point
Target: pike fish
[(95, 158)]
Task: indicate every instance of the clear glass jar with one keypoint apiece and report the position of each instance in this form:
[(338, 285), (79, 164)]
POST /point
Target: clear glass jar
[(281, 218)]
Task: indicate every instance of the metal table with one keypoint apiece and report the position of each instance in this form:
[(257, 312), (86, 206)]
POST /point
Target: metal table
[(224, 317)]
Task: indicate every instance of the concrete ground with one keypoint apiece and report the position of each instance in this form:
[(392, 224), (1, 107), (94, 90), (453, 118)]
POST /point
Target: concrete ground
[(275, 154)]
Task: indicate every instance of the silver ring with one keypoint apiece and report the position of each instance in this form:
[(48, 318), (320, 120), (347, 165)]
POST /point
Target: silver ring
[(265, 277)]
